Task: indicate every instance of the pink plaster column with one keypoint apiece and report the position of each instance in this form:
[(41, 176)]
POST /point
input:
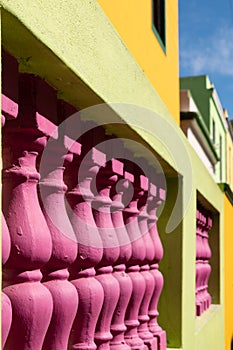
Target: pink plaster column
[(102, 214), (30, 240), (6, 304), (203, 254), (6, 317), (6, 241), (198, 262), (200, 265), (131, 213), (64, 248), (143, 329), (157, 196), (207, 296), (9, 111), (118, 327), (82, 271)]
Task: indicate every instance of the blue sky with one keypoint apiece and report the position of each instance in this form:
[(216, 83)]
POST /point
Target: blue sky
[(206, 44)]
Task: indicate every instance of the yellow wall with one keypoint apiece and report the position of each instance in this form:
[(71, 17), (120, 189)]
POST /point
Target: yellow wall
[(133, 21), (228, 213)]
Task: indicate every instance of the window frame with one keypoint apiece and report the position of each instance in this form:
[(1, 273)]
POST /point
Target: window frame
[(161, 40)]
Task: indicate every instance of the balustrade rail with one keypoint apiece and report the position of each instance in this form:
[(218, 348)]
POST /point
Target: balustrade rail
[(80, 256)]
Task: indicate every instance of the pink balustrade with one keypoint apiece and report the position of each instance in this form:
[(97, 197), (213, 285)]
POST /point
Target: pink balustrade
[(156, 197), (82, 271), (64, 243), (144, 318), (9, 111), (80, 248), (118, 326), (31, 244), (102, 214), (203, 254), (6, 303), (131, 213)]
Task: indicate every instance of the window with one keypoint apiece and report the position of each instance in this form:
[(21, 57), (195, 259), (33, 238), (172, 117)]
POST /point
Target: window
[(159, 21), (220, 156), (213, 131)]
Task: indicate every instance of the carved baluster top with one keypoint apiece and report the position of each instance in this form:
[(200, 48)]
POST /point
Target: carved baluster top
[(207, 227), (131, 213), (198, 236), (79, 177), (106, 178), (31, 241), (52, 191), (201, 221), (116, 195), (117, 191), (156, 197), (23, 139), (143, 218)]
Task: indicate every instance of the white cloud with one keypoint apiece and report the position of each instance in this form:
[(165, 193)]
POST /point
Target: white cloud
[(209, 55)]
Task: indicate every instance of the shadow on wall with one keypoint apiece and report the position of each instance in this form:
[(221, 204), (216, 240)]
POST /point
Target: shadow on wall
[(232, 344)]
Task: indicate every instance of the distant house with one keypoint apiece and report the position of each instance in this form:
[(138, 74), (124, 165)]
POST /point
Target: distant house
[(195, 129), (211, 116)]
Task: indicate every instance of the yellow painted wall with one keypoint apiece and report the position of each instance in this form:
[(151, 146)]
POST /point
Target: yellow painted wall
[(228, 244), (133, 21)]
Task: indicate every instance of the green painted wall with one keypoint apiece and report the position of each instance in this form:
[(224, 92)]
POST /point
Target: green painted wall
[(198, 85)]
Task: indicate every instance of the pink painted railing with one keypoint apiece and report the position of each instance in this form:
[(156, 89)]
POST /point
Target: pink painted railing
[(203, 254), (80, 255), (9, 111)]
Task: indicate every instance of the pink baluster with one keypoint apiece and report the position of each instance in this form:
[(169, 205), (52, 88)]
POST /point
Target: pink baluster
[(6, 304), (118, 327), (6, 242), (130, 214), (203, 268), (199, 252), (30, 239), (64, 251), (206, 257), (202, 265), (157, 196), (82, 272), (143, 329), (102, 214), (6, 317), (9, 111)]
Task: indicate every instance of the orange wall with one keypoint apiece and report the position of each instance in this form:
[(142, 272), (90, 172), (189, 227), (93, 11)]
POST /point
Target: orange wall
[(228, 245), (133, 21)]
